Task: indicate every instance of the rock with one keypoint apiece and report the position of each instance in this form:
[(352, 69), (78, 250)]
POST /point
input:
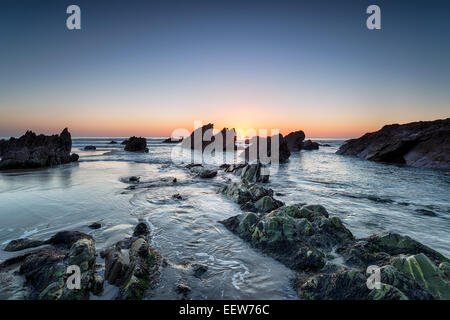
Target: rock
[(173, 140), (445, 268), (112, 142), (45, 270), (143, 272), (36, 151), (378, 249), (237, 191), (182, 289), (124, 142), (135, 144), (262, 146), (177, 196), (292, 235), (199, 269), (294, 140), (255, 173), (425, 272), (97, 285), (115, 265), (424, 144), (207, 174), (267, 204), (134, 179), (90, 148), (95, 225), (141, 230), (310, 145), (202, 137), (21, 244)]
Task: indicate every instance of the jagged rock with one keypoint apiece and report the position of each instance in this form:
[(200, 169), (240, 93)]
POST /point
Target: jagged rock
[(136, 272), (22, 244), (135, 144), (172, 140), (294, 140), (202, 137), (97, 285), (310, 145), (90, 148), (377, 250), (237, 191), (423, 144), (45, 269), (267, 204), (425, 272), (262, 147), (292, 234), (35, 151)]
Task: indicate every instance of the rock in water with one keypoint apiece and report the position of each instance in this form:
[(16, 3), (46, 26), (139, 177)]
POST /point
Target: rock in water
[(135, 144), (200, 138), (173, 140), (310, 145), (46, 272), (90, 148), (424, 144), (262, 146), (294, 140), (36, 151)]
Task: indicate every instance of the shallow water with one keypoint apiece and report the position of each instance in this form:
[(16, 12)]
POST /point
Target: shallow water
[(369, 197)]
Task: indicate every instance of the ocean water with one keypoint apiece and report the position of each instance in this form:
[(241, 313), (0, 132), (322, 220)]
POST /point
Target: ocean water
[(369, 197)]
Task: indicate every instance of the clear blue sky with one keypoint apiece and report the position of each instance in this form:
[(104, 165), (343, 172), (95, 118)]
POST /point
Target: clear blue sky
[(148, 67)]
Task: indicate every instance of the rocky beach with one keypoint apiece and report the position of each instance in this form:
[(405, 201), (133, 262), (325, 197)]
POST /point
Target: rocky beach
[(141, 226)]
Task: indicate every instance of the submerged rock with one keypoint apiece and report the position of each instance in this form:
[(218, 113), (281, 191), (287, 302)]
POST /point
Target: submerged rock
[(424, 144), (90, 148), (36, 151), (112, 142), (135, 144), (95, 225)]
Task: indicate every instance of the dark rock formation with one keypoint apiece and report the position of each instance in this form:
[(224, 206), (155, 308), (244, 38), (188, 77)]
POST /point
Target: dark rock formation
[(112, 142), (90, 148), (199, 171), (36, 151), (135, 144), (294, 140), (136, 272), (310, 145), (45, 270), (172, 140), (205, 136), (423, 144), (95, 225), (258, 145)]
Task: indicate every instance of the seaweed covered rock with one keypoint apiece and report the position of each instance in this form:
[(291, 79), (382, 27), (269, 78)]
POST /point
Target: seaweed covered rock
[(36, 151), (252, 173), (378, 249), (294, 235), (47, 270), (133, 265)]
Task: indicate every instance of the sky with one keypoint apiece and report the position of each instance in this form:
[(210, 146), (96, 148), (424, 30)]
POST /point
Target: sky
[(149, 67)]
